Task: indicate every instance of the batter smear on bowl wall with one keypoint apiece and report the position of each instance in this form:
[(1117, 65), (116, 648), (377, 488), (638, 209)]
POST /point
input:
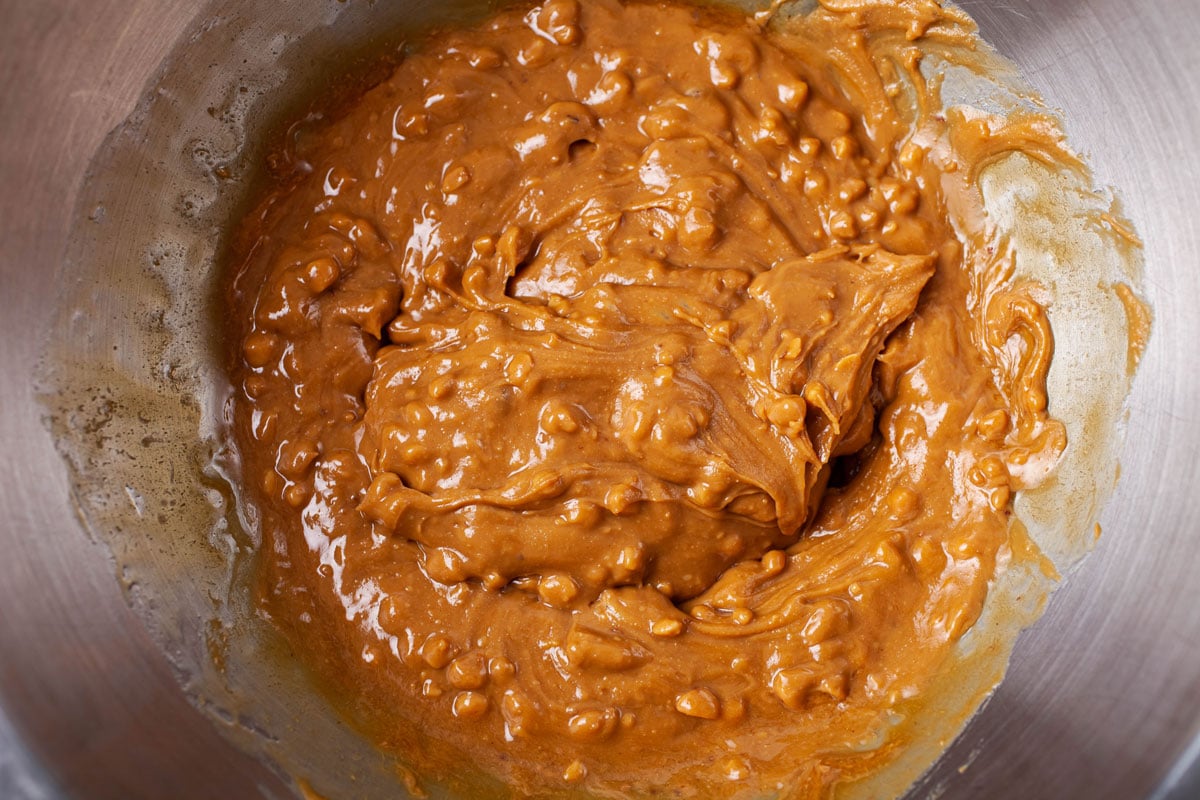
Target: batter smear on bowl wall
[(632, 396)]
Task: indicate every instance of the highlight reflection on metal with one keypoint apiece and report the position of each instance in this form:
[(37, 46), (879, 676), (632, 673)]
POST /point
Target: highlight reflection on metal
[(1103, 693)]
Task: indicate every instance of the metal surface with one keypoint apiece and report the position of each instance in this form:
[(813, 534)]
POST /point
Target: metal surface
[(1104, 693)]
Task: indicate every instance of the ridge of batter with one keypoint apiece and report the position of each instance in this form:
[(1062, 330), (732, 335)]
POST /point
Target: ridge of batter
[(622, 407)]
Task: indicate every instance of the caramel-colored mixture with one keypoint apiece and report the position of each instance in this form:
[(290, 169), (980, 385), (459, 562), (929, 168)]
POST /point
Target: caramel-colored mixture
[(622, 410)]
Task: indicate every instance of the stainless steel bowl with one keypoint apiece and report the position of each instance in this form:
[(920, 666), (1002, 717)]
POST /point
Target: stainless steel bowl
[(1103, 696)]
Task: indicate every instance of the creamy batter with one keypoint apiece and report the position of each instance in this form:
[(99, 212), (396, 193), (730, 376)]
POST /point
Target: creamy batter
[(622, 411)]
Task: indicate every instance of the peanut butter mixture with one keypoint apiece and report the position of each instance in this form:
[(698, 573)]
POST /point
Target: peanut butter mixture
[(631, 395)]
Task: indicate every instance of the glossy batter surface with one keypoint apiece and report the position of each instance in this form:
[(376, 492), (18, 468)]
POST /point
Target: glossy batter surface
[(620, 407)]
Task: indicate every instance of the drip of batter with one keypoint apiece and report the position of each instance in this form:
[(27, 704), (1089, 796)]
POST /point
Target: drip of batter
[(620, 405)]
